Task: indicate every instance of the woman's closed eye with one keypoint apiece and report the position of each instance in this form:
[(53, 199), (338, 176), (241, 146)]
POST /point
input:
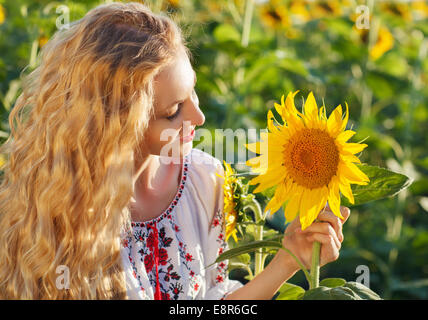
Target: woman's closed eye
[(176, 113)]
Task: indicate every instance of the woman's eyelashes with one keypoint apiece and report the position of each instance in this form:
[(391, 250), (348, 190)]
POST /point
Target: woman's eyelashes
[(176, 113)]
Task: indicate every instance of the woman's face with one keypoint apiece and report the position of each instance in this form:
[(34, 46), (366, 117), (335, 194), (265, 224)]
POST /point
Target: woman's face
[(176, 111)]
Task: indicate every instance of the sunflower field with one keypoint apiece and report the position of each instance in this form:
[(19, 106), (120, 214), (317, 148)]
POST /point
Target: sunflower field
[(371, 55)]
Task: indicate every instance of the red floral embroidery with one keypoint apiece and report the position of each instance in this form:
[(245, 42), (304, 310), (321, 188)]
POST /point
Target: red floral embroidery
[(150, 240), (125, 243), (148, 262), (218, 228), (163, 256), (165, 296), (189, 257), (216, 222)]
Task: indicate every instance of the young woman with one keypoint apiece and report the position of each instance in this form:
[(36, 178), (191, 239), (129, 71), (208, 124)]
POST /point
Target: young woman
[(87, 187)]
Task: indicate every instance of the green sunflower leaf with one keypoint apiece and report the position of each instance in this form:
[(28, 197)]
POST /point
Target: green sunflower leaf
[(325, 293), (348, 291), (246, 248), (290, 291), (383, 183), (332, 282)]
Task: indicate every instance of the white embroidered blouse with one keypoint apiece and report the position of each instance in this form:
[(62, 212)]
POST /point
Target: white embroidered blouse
[(166, 257)]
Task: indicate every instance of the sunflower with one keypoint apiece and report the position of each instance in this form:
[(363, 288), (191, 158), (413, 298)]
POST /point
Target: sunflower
[(299, 10), (400, 10), (174, 3), (307, 159), (275, 15), (384, 43), (327, 8), (420, 9), (230, 205), (2, 14)]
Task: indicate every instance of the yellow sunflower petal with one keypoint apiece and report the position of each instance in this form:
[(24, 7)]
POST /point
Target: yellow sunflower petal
[(279, 108), (322, 119), (334, 122), (277, 200), (289, 103), (345, 120), (293, 204), (323, 113), (270, 120), (254, 147), (287, 107), (346, 190), (334, 197), (351, 172), (266, 181), (345, 136), (353, 148), (311, 109), (350, 158), (234, 235), (311, 205)]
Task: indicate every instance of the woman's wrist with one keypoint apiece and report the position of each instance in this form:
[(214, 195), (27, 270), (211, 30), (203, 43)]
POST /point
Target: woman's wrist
[(266, 283), (285, 263)]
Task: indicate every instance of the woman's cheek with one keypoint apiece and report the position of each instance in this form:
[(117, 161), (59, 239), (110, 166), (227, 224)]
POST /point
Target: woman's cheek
[(163, 137)]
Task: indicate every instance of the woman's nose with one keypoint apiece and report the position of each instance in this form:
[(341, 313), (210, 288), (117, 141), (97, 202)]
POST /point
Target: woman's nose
[(197, 116)]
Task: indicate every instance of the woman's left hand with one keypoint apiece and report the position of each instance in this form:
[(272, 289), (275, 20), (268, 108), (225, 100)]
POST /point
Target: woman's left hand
[(327, 230)]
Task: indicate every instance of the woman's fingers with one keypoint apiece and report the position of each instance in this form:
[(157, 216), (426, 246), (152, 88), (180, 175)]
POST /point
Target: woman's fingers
[(334, 221), (345, 211), (323, 228), (331, 226), (329, 244)]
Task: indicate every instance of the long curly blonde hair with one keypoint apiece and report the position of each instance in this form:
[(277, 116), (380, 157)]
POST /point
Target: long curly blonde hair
[(68, 178)]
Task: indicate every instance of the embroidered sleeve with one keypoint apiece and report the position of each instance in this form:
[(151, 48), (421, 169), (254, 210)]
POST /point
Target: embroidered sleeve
[(217, 227), (219, 284)]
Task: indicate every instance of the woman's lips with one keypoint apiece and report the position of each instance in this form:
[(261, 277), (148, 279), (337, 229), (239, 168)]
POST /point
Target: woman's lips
[(189, 137)]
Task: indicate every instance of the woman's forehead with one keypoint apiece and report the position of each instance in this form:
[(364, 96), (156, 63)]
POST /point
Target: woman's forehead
[(174, 83)]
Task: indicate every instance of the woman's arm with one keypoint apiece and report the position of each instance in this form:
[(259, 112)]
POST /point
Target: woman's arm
[(328, 231), (267, 282)]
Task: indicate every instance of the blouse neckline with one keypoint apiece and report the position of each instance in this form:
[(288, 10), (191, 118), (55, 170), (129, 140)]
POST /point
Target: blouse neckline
[(174, 202)]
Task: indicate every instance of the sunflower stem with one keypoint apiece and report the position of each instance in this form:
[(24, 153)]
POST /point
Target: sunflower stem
[(315, 265), (249, 6), (302, 267), (259, 253), (254, 206)]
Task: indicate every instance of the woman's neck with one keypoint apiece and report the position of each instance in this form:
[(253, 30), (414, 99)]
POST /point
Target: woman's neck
[(154, 183)]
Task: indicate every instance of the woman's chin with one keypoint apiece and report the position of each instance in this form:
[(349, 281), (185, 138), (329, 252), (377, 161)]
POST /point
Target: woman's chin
[(176, 152), (186, 148)]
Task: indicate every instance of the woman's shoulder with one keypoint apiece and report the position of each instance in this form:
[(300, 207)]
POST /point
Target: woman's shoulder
[(204, 163), (205, 173), (205, 182)]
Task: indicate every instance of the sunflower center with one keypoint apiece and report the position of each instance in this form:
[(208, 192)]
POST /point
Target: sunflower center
[(311, 158)]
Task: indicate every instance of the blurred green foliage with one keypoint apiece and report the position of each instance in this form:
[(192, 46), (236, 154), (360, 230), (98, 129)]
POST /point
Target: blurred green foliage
[(247, 54)]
